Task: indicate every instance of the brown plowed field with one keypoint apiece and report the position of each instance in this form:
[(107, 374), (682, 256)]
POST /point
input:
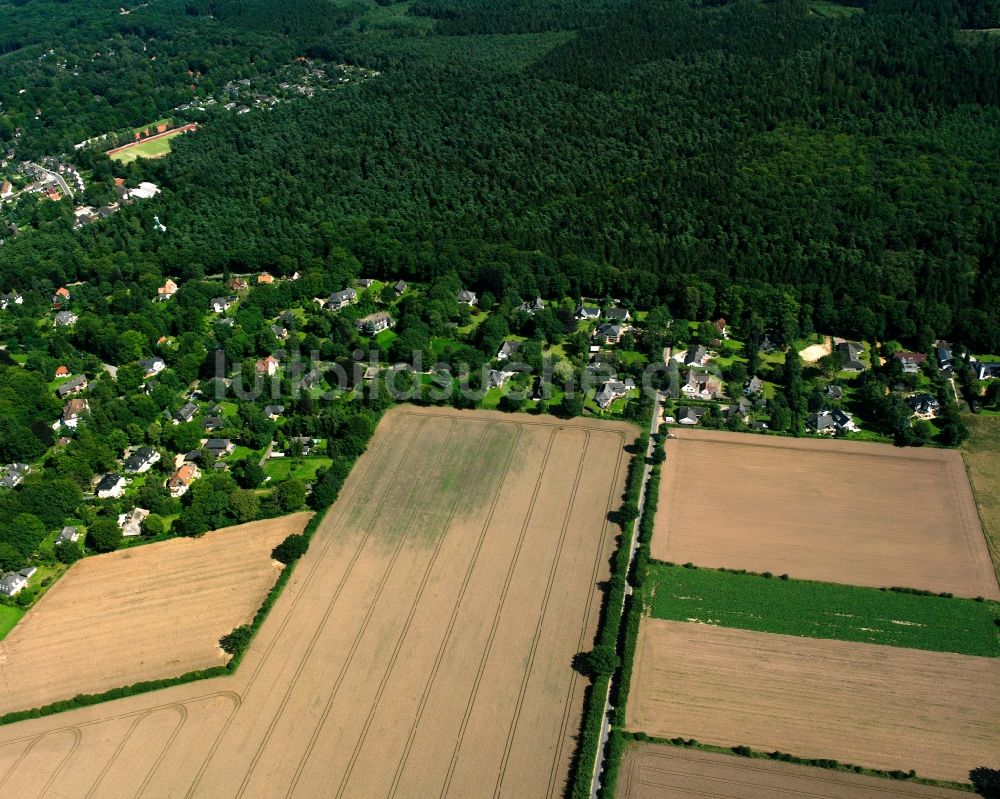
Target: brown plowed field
[(650, 771), (422, 647), (838, 511), (877, 706), (140, 614)]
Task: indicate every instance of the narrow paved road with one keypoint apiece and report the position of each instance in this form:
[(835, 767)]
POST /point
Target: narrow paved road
[(595, 783), (67, 191)]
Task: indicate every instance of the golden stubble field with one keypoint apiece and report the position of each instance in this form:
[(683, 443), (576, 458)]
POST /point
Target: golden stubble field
[(423, 646), (651, 771), (877, 706), (141, 614), (838, 511)]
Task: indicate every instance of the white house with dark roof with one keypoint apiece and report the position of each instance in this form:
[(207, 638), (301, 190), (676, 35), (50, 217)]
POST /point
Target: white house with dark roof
[(141, 461), (186, 413), (13, 583), (111, 486), (466, 297), (14, 475), (341, 299), (72, 386)]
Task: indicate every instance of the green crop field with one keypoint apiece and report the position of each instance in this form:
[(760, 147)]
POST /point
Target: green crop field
[(823, 610)]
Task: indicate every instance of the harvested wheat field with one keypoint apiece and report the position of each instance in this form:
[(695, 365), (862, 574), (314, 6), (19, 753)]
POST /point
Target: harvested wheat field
[(141, 614), (877, 706), (838, 511), (651, 771), (422, 647)]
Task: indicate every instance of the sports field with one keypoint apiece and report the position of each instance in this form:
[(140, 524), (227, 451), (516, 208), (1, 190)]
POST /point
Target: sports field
[(423, 646), (836, 511), (140, 614), (652, 771), (155, 146), (875, 706)]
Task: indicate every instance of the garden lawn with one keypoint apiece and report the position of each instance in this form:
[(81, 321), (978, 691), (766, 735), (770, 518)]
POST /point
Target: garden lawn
[(823, 610), (304, 469), (9, 616)]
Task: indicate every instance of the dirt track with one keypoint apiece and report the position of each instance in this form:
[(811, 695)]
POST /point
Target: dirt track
[(876, 706), (421, 648), (839, 511), (650, 771), (140, 614)]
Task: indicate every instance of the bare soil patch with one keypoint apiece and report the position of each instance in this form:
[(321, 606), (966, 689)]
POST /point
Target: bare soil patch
[(814, 352), (838, 511), (876, 706), (140, 614), (422, 647), (651, 771)]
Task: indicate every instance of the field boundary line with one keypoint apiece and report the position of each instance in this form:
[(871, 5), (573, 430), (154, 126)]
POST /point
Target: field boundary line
[(496, 618), (553, 569), (403, 634), (432, 678), (326, 616), (588, 613)]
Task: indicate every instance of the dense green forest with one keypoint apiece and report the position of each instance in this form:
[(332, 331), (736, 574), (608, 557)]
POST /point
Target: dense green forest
[(818, 171)]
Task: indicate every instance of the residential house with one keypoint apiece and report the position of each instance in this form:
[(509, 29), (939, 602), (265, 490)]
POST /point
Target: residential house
[(495, 378), (695, 355), (219, 447), (14, 475), (588, 312), (12, 298), (689, 415), (945, 356), (180, 482), (911, 361), (305, 442), (112, 485), (68, 535), (986, 370), (753, 386), (268, 366), (739, 410), (131, 522), (532, 307), (365, 282), (62, 295), (144, 191), (829, 422), (6, 190), (851, 352), (375, 323), (310, 379), (466, 297), (222, 304), (273, 412), (508, 349), (610, 333), (167, 290), (213, 423), (720, 325), (152, 366), (609, 392), (13, 583), (65, 319), (341, 299), (237, 284), (62, 371), (73, 386), (924, 406), (772, 342), (371, 372), (617, 314), (264, 278), (280, 333), (141, 461), (400, 287), (72, 411), (186, 413), (702, 385), (834, 392)]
